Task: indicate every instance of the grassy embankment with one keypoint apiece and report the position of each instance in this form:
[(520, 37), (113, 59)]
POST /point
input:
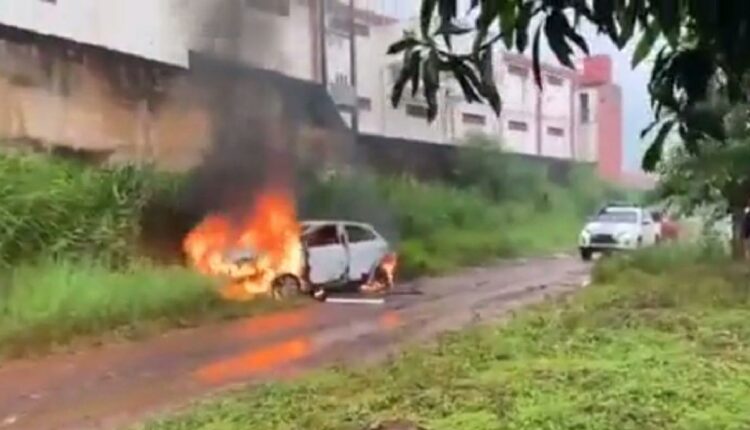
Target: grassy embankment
[(660, 341), (69, 260), (70, 265)]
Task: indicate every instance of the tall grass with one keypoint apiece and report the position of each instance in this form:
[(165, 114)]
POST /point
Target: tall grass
[(51, 303), (440, 227), (55, 208), (69, 233)]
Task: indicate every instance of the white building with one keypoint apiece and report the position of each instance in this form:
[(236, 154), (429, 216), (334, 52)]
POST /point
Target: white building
[(143, 28), (284, 35)]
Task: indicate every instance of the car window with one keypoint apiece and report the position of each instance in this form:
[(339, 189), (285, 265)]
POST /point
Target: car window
[(358, 234), (625, 217), (322, 236)]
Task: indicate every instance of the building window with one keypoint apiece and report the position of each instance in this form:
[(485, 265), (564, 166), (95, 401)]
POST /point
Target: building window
[(343, 26), (555, 80), (585, 109), (518, 70), (277, 7), (555, 131), (364, 103), (341, 79), (418, 111), (517, 126), (473, 119)]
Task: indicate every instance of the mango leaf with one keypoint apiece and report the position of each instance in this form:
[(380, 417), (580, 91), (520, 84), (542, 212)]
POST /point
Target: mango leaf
[(571, 34), (645, 45), (653, 155), (407, 73), (431, 83), (522, 26), (627, 18), (416, 60), (604, 17), (507, 18), (449, 27), (447, 9), (470, 93), (402, 45), (668, 15), (649, 128), (488, 88), (555, 28), (487, 15), (535, 54), (426, 13)]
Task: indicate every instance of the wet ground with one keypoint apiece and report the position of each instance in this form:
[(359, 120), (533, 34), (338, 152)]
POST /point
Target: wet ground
[(117, 385)]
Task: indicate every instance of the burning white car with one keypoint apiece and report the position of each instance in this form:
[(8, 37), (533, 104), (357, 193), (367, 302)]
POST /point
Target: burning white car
[(618, 228), (337, 255), (270, 252)]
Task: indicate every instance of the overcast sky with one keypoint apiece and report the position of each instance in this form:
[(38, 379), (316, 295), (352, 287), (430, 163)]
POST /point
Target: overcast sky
[(636, 108)]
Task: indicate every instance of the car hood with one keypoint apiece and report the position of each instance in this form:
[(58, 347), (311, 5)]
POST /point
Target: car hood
[(609, 228)]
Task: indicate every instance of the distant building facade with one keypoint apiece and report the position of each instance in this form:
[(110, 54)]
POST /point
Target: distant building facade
[(59, 60)]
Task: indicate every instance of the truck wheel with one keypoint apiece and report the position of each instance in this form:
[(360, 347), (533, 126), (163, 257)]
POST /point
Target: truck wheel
[(586, 254), (285, 287)]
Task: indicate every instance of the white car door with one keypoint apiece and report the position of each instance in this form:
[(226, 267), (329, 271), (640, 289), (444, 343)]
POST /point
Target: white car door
[(327, 255), (648, 228), (366, 250)]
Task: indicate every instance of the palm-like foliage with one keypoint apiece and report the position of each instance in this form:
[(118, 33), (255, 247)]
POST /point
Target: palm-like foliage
[(706, 43)]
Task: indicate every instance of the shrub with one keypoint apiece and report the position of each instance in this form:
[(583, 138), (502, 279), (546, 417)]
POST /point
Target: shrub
[(63, 209)]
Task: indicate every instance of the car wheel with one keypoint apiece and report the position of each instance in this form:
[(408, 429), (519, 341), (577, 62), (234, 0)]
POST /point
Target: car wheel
[(286, 286), (586, 254)]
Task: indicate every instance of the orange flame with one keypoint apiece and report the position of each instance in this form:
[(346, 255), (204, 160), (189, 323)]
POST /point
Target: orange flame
[(270, 231), (384, 275)]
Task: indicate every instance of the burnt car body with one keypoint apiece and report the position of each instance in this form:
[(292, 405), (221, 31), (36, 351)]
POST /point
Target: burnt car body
[(338, 256)]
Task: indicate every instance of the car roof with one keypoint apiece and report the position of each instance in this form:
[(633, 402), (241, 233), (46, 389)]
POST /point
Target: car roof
[(620, 209), (319, 222)]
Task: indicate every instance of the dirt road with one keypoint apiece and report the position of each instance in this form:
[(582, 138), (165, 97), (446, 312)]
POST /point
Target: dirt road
[(113, 386)]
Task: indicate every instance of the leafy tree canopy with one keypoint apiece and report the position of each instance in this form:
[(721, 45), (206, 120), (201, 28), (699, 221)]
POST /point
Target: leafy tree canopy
[(704, 56)]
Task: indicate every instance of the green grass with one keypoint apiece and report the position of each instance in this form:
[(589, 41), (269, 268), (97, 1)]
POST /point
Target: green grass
[(439, 228), (47, 305), (88, 222), (56, 208), (664, 343)]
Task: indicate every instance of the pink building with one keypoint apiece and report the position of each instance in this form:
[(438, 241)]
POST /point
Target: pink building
[(600, 116)]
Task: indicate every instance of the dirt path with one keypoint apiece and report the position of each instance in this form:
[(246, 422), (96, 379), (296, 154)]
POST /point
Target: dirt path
[(116, 385)]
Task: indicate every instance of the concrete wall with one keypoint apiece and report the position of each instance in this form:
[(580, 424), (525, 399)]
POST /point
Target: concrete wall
[(144, 28), (127, 109), (430, 161)]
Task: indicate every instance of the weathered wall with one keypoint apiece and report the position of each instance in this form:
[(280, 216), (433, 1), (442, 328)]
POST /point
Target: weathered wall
[(431, 161), (60, 94)]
